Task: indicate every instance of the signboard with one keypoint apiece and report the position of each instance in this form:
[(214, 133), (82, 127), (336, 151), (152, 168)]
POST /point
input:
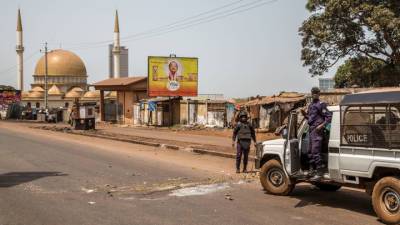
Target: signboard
[(172, 77), (9, 97)]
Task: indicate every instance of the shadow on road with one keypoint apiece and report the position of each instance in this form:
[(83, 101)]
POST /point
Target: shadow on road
[(350, 200), (16, 178)]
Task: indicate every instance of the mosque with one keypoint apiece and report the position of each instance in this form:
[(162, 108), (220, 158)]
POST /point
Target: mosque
[(66, 81), (66, 78)]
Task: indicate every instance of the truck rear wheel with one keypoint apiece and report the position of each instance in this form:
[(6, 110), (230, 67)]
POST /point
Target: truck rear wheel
[(274, 180), (327, 187), (386, 200)]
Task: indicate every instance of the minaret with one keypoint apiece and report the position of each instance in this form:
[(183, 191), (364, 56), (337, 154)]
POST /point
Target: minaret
[(20, 54), (117, 48)]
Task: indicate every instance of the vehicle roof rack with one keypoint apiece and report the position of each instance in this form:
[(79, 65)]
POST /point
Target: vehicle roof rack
[(371, 98)]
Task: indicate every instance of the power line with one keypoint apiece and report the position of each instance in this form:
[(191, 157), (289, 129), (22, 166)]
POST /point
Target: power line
[(188, 24), (215, 16), (15, 66), (167, 25), (184, 20), (206, 20)]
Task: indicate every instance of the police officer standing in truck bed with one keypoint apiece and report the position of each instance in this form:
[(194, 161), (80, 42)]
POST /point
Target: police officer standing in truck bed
[(318, 117), (243, 133)]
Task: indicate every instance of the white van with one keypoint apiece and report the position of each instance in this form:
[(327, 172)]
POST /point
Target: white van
[(361, 149)]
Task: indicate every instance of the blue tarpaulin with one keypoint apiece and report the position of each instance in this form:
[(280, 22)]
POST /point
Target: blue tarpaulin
[(152, 106)]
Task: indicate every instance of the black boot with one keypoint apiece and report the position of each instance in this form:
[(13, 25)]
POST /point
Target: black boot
[(244, 168), (310, 172), (237, 170), (319, 174)]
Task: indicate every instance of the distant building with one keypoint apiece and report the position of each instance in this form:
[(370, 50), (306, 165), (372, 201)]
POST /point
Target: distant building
[(326, 84), (124, 61)]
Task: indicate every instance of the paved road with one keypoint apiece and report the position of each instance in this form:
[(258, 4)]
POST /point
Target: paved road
[(51, 178)]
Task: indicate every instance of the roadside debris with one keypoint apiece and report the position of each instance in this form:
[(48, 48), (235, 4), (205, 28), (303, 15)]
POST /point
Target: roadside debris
[(199, 190), (87, 191), (228, 197)]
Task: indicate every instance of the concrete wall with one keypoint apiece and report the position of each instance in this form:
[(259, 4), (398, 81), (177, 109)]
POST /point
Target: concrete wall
[(184, 112), (202, 113), (176, 112), (127, 100), (53, 103)]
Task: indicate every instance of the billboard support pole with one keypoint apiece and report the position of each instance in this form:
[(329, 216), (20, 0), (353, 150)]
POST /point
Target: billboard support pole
[(206, 112), (188, 112), (170, 111)]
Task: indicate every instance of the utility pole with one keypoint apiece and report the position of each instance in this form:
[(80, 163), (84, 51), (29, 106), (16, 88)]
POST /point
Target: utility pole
[(45, 76)]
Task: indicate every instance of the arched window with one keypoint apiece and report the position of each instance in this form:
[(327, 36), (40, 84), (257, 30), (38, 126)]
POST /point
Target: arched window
[(66, 105), (37, 105)]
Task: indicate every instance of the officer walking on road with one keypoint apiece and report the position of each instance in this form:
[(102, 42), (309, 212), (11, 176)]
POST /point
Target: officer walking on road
[(243, 133), (318, 117)]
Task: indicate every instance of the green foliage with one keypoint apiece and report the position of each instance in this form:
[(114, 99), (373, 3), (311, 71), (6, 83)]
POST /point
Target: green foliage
[(6, 88), (366, 72), (340, 29)]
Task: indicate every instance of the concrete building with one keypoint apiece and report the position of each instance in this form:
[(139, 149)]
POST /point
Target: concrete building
[(124, 61), (192, 111), (326, 84), (128, 91)]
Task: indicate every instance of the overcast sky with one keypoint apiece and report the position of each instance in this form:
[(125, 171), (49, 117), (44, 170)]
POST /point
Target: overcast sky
[(254, 52)]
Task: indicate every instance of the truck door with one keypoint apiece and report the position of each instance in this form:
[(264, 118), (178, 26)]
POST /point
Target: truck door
[(292, 154)]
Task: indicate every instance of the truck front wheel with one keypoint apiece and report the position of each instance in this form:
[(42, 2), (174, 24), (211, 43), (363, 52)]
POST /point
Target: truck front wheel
[(386, 200), (274, 180)]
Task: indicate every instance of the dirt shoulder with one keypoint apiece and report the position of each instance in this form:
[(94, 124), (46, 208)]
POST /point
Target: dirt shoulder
[(214, 140), (213, 132)]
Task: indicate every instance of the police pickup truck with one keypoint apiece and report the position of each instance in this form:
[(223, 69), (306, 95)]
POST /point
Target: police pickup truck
[(361, 149)]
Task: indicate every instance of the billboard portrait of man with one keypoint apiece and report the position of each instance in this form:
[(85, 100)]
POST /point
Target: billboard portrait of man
[(173, 68)]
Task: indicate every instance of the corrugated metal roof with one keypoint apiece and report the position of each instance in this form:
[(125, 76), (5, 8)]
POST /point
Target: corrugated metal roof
[(123, 81), (284, 97)]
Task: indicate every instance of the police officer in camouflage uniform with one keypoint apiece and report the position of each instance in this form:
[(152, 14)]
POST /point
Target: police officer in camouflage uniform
[(318, 117), (243, 133)]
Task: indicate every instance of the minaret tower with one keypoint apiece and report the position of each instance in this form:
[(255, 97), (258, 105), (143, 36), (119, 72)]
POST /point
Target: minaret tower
[(117, 48), (20, 54)]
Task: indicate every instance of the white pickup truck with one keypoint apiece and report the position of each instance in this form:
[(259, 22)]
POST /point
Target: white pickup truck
[(361, 149)]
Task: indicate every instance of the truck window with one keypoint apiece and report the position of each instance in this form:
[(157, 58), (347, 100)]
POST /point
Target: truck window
[(394, 126), (366, 126)]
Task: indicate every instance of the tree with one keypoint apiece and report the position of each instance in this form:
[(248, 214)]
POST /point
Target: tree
[(6, 88), (343, 29), (362, 71)]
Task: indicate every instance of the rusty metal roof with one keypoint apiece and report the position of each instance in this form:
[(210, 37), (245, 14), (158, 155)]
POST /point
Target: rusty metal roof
[(123, 81), (284, 97)]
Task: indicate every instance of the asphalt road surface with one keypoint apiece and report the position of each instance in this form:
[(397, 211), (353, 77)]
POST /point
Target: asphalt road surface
[(53, 178)]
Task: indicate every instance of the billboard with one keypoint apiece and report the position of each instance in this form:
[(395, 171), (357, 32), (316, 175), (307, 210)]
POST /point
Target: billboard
[(8, 98), (172, 76)]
